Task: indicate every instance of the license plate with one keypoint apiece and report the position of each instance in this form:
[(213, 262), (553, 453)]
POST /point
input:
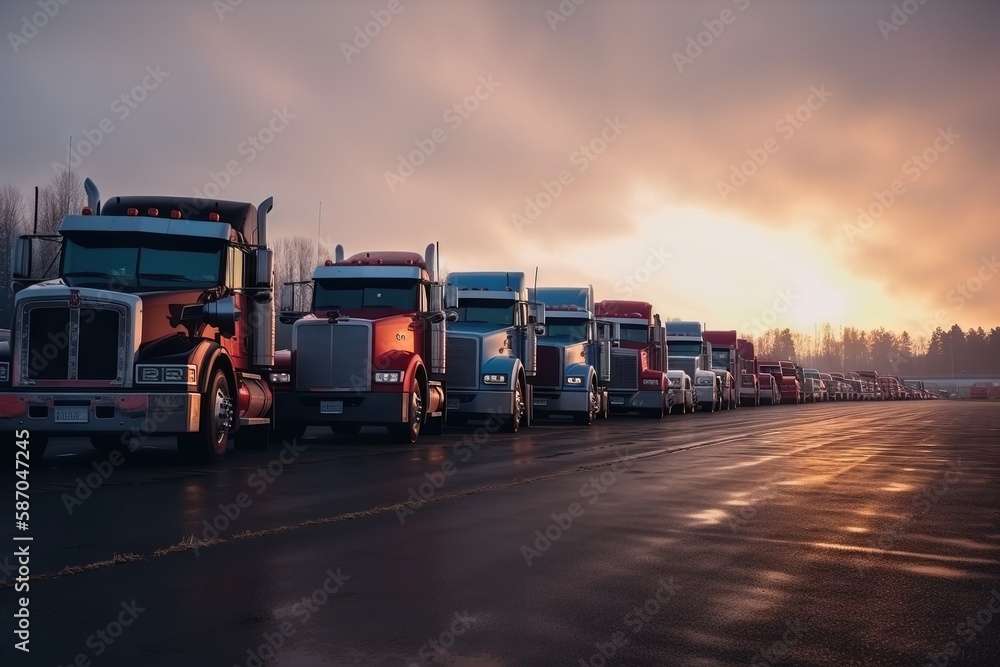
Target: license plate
[(540, 401), (617, 400), (453, 404), (74, 415), (331, 407)]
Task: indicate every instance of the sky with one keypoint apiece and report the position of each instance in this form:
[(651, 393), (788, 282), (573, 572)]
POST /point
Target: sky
[(744, 163)]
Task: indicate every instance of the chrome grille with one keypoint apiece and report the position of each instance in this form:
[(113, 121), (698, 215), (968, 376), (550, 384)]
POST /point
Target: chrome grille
[(624, 371), (87, 343), (332, 357), (463, 363)]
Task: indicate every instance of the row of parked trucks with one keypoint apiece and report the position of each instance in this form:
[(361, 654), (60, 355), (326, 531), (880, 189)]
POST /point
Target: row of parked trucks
[(162, 323)]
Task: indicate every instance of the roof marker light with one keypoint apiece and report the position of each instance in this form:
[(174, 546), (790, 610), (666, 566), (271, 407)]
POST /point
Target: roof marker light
[(132, 211), (175, 214), (153, 212), (87, 211), (213, 217)]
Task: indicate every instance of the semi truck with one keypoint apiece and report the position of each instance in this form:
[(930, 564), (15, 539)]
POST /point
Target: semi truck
[(160, 323), (492, 348), (783, 372), (729, 365), (639, 381), (749, 375), (689, 352), (574, 356), (369, 351)]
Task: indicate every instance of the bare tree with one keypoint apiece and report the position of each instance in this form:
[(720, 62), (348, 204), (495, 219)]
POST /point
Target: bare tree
[(63, 196), (294, 261), (13, 209)]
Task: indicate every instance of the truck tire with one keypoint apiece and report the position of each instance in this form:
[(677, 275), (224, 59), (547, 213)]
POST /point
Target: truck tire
[(209, 444), (409, 432), (586, 418), (513, 423)]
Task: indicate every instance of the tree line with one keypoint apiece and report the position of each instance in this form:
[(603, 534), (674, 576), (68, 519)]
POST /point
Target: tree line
[(945, 353)]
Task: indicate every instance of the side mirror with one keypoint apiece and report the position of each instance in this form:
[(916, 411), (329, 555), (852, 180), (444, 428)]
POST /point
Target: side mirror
[(540, 329), (264, 267), (21, 263), (223, 315), (451, 315), (436, 317)]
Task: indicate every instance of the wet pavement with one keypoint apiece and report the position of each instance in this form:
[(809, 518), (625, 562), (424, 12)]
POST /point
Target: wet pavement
[(834, 534)]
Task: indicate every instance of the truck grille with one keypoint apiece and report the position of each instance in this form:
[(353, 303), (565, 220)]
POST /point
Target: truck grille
[(76, 344), (333, 357), (463, 363), (624, 371), (549, 366)]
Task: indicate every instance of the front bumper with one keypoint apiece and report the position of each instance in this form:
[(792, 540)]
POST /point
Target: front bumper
[(623, 401), (99, 412), (482, 403), (549, 402), (316, 408)]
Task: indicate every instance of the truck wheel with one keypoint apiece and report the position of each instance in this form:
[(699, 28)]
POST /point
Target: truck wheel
[(409, 432), (586, 418), (105, 443), (513, 422), (210, 443)]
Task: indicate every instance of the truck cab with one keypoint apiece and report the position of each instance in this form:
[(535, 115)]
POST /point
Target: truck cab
[(681, 395), (492, 348), (749, 374), (689, 352), (727, 363), (369, 351), (161, 321), (875, 384), (574, 356), (639, 380), (812, 384)]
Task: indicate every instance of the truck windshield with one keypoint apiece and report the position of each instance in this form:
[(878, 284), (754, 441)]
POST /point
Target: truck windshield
[(347, 293), (574, 328), (681, 348), (486, 311), (812, 373), (720, 358), (147, 263), (770, 369), (635, 333)]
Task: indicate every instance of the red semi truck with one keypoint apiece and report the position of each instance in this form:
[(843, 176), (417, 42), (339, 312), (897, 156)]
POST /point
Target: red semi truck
[(370, 350), (161, 322), (638, 358), (784, 374), (749, 374), (736, 355)]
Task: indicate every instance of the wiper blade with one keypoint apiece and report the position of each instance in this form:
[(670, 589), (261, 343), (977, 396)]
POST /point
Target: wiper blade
[(166, 276)]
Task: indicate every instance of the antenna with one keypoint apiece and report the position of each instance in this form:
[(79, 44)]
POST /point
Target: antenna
[(69, 179), (35, 229), (536, 282), (319, 234), (508, 281)]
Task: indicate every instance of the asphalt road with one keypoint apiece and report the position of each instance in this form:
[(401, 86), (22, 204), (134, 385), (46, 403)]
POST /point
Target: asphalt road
[(839, 534)]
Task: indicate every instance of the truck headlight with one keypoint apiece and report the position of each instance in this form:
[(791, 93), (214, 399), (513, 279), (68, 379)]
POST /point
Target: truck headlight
[(495, 378), (165, 374), (389, 377), (575, 381), (280, 378)]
